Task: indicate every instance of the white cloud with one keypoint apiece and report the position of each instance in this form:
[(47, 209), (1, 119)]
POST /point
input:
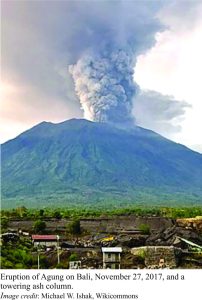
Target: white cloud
[(174, 65), (23, 106), (197, 148)]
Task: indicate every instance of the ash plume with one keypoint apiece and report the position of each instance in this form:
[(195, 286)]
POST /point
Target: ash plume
[(105, 86), (112, 35)]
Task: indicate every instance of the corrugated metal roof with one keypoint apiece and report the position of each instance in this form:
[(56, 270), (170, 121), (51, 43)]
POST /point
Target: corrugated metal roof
[(190, 243), (112, 249), (45, 237)]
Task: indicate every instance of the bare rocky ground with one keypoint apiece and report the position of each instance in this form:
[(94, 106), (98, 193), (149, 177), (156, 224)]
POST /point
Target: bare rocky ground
[(122, 231)]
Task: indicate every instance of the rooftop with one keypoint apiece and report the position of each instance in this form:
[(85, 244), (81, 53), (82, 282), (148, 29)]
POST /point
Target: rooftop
[(190, 243), (45, 237), (112, 249)]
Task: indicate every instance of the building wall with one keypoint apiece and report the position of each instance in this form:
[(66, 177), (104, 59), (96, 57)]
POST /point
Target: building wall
[(120, 223), (111, 260), (111, 265), (45, 243), (111, 257), (158, 256), (94, 225)]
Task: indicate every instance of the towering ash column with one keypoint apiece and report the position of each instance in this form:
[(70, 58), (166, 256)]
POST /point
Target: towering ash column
[(105, 87), (107, 39)]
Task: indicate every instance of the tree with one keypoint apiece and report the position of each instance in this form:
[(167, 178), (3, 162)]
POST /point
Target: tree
[(41, 212), (74, 227), (39, 226), (57, 215), (21, 211)]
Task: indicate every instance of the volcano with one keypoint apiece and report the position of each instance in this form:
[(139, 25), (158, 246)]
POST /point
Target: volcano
[(86, 162)]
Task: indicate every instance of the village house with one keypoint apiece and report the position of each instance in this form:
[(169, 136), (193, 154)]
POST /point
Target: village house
[(46, 240), (75, 264), (111, 257)]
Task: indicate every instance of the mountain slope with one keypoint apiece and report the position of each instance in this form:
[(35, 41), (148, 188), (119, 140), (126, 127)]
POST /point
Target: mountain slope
[(79, 155)]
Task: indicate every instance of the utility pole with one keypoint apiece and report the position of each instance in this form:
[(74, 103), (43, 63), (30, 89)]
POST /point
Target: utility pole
[(58, 248), (38, 256)]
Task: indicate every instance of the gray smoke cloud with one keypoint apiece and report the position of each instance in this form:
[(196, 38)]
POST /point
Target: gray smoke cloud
[(105, 86), (40, 38), (161, 113), (111, 35)]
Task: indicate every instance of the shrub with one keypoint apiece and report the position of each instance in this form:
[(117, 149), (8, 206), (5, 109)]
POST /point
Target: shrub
[(144, 228), (73, 257), (4, 222), (62, 265)]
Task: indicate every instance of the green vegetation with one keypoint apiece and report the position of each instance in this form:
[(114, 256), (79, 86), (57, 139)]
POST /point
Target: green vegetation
[(57, 215), (63, 265), (81, 163), (73, 257), (39, 226), (18, 257), (144, 228), (76, 213), (41, 212), (141, 253), (4, 223), (104, 199), (74, 227)]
